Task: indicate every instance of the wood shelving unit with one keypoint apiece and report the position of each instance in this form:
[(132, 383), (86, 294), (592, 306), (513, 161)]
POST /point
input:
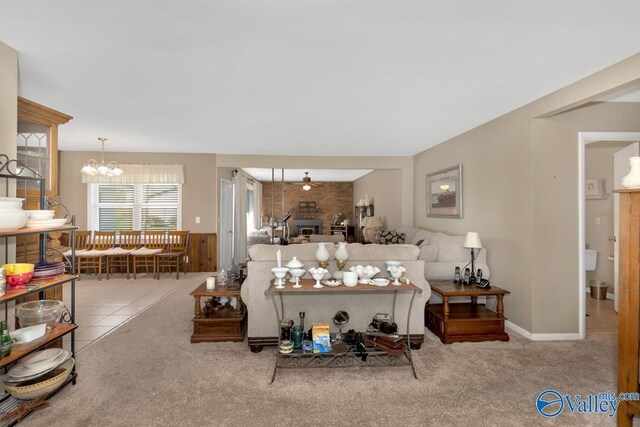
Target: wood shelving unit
[(13, 170)]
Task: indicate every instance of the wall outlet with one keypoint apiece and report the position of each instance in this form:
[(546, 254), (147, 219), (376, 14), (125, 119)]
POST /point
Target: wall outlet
[(198, 220), (597, 220)]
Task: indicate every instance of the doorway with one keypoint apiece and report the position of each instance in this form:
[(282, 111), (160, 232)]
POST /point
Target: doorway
[(226, 225), (585, 138)]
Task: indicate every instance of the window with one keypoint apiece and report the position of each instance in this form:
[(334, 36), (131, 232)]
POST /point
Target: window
[(135, 207), (250, 211)]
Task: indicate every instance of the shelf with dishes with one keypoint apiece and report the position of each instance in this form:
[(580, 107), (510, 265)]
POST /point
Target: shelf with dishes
[(36, 285), (52, 331)]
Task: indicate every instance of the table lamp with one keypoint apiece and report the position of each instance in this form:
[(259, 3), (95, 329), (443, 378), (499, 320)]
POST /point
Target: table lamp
[(472, 241)]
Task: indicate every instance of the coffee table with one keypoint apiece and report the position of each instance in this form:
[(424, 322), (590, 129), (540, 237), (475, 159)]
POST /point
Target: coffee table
[(469, 321)]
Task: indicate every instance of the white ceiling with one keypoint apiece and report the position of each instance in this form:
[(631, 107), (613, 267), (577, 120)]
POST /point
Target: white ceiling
[(323, 77), (316, 175)]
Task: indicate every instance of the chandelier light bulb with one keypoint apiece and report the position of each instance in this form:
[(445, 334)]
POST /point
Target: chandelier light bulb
[(104, 168)]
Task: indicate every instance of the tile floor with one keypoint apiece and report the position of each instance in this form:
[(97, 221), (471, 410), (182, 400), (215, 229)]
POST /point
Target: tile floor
[(102, 306)]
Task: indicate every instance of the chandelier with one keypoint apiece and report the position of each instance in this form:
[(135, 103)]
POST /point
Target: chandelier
[(105, 169)]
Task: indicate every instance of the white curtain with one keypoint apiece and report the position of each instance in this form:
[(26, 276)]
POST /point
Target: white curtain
[(257, 205), (240, 220), (141, 174)]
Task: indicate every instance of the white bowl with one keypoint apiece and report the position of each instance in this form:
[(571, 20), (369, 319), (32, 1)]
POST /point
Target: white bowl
[(13, 203), (33, 389), (24, 336), (350, 279), (13, 219), (41, 214), (380, 282), (365, 273)]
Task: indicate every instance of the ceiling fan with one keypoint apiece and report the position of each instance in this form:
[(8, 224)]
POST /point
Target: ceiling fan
[(306, 182)]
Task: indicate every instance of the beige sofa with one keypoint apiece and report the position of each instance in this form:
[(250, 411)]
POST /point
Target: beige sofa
[(262, 324), (442, 253)]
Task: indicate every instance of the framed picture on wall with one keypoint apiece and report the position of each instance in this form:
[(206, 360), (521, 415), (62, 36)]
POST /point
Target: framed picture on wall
[(444, 193)]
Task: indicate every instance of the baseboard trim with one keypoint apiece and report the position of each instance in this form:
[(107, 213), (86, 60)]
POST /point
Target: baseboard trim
[(541, 337), (517, 329)]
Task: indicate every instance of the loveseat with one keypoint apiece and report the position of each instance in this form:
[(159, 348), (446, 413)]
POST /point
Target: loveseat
[(262, 326), (442, 253)]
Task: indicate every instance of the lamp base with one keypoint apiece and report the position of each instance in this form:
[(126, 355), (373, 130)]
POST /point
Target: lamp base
[(323, 264), (341, 264)]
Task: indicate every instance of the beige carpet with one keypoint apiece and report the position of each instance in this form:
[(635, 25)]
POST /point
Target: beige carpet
[(148, 373)]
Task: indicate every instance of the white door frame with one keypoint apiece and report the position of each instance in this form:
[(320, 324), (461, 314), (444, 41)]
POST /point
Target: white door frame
[(585, 138)]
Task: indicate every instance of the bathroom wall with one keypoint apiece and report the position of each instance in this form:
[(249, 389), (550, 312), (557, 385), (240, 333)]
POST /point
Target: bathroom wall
[(599, 212)]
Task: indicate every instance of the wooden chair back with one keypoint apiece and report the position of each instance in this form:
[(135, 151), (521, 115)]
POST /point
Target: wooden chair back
[(154, 239), (83, 240), (103, 240), (130, 239), (178, 241)]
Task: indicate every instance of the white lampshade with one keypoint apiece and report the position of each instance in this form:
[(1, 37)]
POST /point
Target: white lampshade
[(472, 240), (372, 222)]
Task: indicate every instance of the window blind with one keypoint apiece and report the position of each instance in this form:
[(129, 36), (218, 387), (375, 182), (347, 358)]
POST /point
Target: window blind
[(115, 207)]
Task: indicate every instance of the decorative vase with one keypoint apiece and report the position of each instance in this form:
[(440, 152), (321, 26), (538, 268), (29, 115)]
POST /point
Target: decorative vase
[(632, 179), (322, 255), (341, 254)]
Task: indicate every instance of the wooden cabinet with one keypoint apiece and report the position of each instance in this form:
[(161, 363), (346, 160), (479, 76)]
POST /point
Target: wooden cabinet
[(348, 231), (628, 303)]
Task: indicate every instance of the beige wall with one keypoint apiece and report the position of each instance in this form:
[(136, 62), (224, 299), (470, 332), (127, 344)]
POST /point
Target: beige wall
[(496, 201), (8, 120), (8, 101), (198, 192), (384, 186), (520, 182), (599, 165), (555, 208)]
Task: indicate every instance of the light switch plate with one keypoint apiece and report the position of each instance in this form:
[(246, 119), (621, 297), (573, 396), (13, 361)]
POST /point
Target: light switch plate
[(197, 220)]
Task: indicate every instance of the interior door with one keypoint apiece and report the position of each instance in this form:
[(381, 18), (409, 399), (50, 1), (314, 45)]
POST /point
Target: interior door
[(226, 225), (620, 169)]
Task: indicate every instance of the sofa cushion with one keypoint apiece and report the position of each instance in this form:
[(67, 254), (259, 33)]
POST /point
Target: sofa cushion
[(450, 248), (390, 237), (414, 235), (429, 253), (303, 251), (360, 252)]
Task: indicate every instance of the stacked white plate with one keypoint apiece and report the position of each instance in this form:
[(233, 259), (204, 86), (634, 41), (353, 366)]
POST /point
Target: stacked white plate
[(37, 364), (11, 214), (46, 223)]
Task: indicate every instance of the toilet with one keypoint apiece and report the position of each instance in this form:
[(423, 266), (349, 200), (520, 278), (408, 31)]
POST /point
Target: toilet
[(590, 259)]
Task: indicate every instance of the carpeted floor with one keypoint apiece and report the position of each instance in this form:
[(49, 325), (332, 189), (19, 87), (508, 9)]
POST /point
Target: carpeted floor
[(148, 373)]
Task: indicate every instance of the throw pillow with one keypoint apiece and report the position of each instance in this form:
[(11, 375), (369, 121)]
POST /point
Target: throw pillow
[(390, 238)]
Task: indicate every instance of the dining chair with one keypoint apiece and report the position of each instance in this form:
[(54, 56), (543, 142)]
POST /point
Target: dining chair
[(175, 253), (152, 243), (120, 256), (101, 243)]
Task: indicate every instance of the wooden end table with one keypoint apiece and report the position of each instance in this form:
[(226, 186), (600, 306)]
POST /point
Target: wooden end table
[(469, 321), (225, 324)]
